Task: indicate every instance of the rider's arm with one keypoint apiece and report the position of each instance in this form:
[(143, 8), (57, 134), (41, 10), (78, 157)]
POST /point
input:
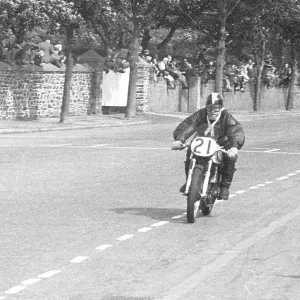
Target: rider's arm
[(188, 126), (234, 132)]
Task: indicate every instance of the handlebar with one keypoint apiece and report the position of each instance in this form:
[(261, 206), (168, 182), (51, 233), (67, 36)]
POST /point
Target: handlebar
[(186, 145)]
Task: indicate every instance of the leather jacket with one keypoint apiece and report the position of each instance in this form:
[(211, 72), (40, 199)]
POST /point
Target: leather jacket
[(228, 131)]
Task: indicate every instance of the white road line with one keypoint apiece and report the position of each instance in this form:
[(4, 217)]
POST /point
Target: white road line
[(282, 178), (49, 274), (125, 237), (253, 187), (15, 289), (272, 150), (145, 229), (297, 171), (2, 298), (261, 184), (269, 182), (96, 146), (232, 195), (31, 281), (291, 174), (177, 217), (281, 152), (78, 259), (104, 247), (160, 223)]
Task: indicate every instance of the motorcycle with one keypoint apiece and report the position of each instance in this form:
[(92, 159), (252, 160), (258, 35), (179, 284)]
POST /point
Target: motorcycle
[(204, 176)]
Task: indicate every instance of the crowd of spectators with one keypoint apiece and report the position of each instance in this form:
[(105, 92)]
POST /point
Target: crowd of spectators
[(34, 54), (235, 75)]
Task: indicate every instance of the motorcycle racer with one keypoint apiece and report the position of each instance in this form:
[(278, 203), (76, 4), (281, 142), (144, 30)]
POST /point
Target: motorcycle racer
[(214, 121)]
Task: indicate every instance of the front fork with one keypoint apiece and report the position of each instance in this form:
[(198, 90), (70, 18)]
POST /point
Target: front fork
[(206, 178)]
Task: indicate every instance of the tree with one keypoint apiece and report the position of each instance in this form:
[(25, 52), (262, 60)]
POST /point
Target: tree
[(63, 17), (19, 17), (287, 16)]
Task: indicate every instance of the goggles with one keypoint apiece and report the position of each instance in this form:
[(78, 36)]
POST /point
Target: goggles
[(215, 108)]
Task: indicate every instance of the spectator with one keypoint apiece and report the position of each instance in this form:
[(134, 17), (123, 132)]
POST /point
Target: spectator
[(162, 65), (250, 69), (170, 80), (48, 49), (39, 58), (57, 58), (285, 75), (211, 71), (25, 56), (268, 73)]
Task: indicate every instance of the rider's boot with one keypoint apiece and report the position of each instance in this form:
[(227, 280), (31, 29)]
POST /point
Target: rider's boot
[(186, 169), (227, 176)]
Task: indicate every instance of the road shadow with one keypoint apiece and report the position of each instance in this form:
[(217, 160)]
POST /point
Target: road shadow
[(154, 213)]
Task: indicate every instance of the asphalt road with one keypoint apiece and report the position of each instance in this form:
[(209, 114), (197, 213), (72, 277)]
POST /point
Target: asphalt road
[(96, 215)]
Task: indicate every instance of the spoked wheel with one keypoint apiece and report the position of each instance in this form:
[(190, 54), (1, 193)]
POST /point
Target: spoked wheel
[(193, 198)]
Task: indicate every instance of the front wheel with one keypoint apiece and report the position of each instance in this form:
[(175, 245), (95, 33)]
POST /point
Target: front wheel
[(193, 198)]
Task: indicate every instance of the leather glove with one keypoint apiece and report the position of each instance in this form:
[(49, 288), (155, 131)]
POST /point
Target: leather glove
[(232, 152), (177, 145)]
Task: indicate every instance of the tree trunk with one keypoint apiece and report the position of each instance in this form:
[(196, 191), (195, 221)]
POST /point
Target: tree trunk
[(291, 91), (68, 76), (146, 39), (220, 56), (260, 64), (133, 77)]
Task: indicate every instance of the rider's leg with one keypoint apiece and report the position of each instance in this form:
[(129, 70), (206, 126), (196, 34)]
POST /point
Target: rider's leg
[(227, 175)]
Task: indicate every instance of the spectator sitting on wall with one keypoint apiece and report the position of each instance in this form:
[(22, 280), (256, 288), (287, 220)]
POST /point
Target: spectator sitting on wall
[(25, 56), (211, 71), (170, 80), (57, 58), (285, 75), (154, 68), (162, 65), (268, 73), (48, 49), (39, 58)]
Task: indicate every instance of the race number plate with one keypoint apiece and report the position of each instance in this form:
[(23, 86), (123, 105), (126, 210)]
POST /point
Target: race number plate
[(204, 146)]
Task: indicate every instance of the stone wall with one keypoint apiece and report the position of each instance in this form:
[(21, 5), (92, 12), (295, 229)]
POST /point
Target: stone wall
[(163, 100), (33, 92), (30, 94)]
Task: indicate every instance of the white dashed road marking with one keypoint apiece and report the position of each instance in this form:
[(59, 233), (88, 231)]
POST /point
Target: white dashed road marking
[(15, 289), (104, 247), (282, 178), (253, 187), (145, 229), (159, 223), (78, 259), (49, 274), (31, 281), (125, 237), (240, 192)]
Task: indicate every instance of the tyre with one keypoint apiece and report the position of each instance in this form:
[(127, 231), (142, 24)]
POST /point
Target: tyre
[(193, 199), (206, 211)]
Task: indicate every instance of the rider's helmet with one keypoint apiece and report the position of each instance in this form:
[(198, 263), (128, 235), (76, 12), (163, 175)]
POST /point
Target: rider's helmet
[(214, 105)]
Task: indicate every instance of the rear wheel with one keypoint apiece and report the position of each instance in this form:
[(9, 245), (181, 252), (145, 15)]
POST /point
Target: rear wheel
[(193, 198)]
